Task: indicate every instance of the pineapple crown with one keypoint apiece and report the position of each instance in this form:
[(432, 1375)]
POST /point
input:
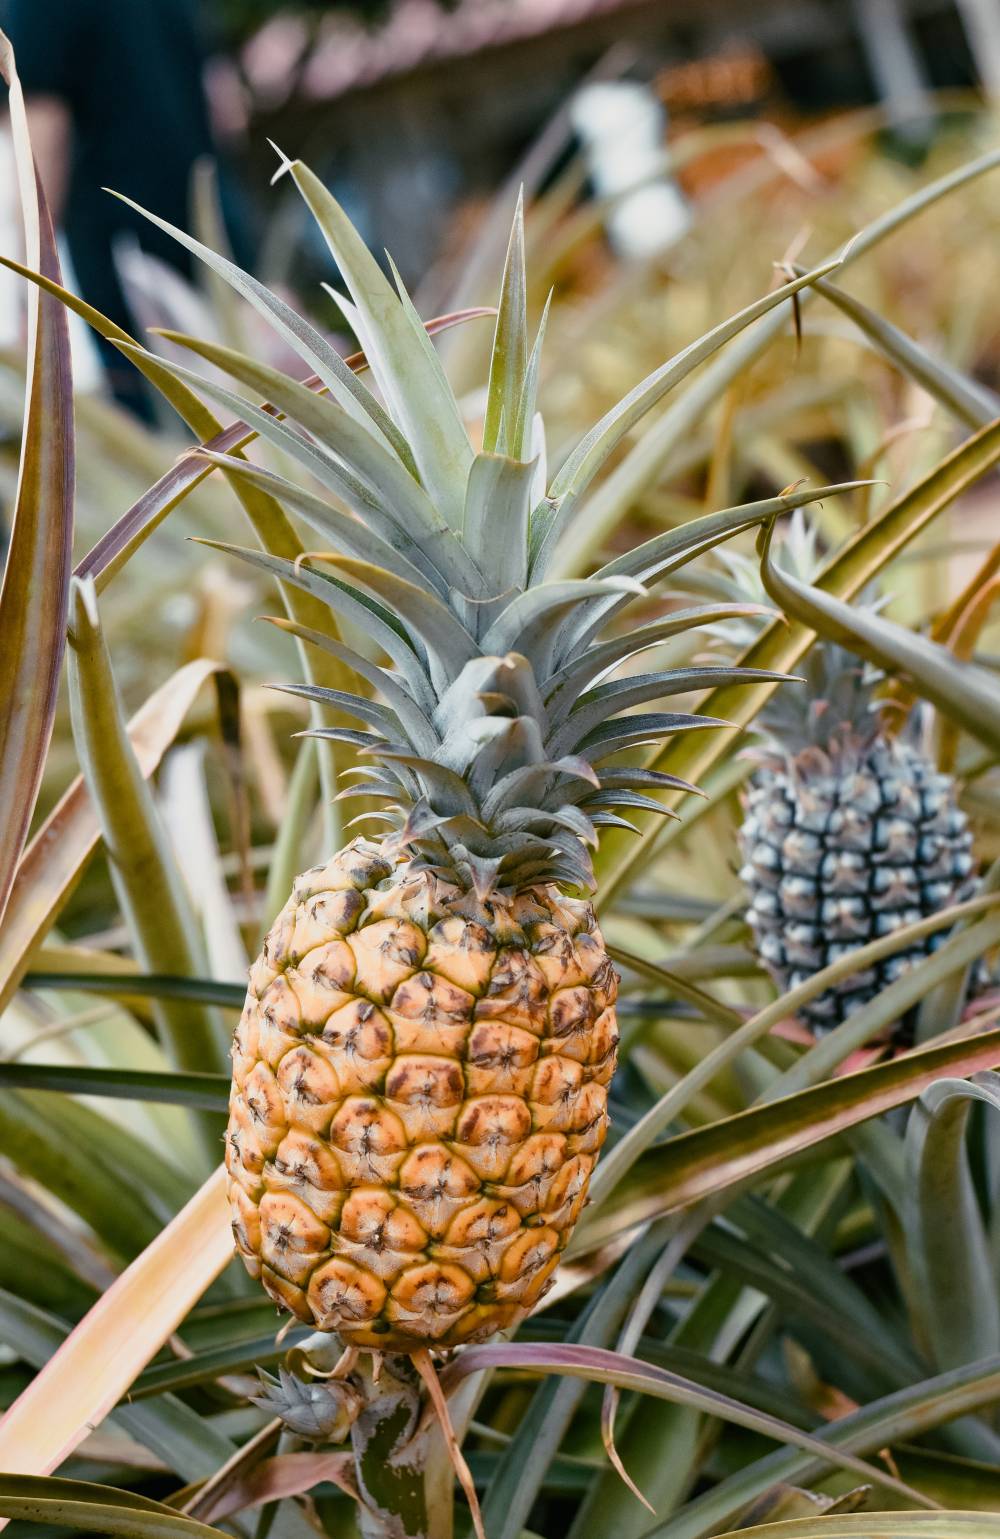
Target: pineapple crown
[(499, 742), (832, 705)]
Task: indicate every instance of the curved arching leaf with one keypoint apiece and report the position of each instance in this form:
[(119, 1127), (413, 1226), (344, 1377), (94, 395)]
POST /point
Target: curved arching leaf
[(781, 646), (605, 1367), (962, 691), (945, 1234), (738, 1149)]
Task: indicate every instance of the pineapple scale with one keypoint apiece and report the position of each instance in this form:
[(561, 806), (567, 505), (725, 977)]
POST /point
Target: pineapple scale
[(843, 848), (419, 1098)]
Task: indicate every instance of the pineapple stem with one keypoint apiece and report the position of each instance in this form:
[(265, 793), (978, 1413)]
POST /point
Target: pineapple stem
[(401, 1493)]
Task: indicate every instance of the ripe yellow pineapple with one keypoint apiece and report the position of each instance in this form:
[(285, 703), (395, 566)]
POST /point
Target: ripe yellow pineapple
[(421, 1073)]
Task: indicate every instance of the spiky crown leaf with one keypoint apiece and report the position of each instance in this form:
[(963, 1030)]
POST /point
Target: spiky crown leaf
[(498, 739), (833, 704), (322, 1410)]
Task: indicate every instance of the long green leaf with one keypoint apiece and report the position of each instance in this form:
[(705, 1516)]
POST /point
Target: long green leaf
[(962, 691), (101, 1513), (595, 448), (71, 1158), (523, 1464), (414, 516), (946, 1236), (263, 511), (433, 622), (187, 405), (660, 554), (737, 1149), (205, 1367), (644, 463), (18, 1487), (902, 1416), (744, 1034), (147, 882), (653, 1426), (495, 521), (509, 358), (353, 536), (128, 533), (311, 346), (865, 1358), (372, 617), (204, 1092), (950, 960), (967, 399), (604, 1367), (57, 854), (900, 1525), (184, 1441), (199, 991), (971, 1484)]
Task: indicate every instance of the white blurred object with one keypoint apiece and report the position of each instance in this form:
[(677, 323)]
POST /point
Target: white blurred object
[(622, 126), (981, 19), (86, 363), (897, 69)]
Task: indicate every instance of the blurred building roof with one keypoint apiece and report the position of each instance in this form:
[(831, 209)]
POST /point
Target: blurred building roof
[(349, 56)]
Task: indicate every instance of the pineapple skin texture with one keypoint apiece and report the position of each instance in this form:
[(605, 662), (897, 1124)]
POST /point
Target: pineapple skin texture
[(842, 849), (418, 1101)]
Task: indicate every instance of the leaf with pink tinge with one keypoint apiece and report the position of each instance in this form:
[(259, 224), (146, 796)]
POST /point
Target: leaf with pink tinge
[(284, 1475), (36, 580), (605, 1367)]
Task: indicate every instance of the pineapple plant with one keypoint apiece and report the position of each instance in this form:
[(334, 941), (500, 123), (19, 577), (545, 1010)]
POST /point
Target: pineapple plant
[(850, 831), (421, 1071)]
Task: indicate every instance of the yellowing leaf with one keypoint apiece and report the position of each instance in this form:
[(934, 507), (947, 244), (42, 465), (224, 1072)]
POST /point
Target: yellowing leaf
[(98, 1361), (57, 854)]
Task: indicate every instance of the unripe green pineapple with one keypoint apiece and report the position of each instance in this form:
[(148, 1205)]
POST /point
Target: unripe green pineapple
[(850, 832)]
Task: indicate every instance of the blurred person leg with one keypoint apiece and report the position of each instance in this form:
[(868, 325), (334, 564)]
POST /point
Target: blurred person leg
[(116, 99)]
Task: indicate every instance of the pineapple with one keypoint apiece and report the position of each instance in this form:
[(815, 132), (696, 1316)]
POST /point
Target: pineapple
[(419, 1095), (849, 833), (421, 1071)]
